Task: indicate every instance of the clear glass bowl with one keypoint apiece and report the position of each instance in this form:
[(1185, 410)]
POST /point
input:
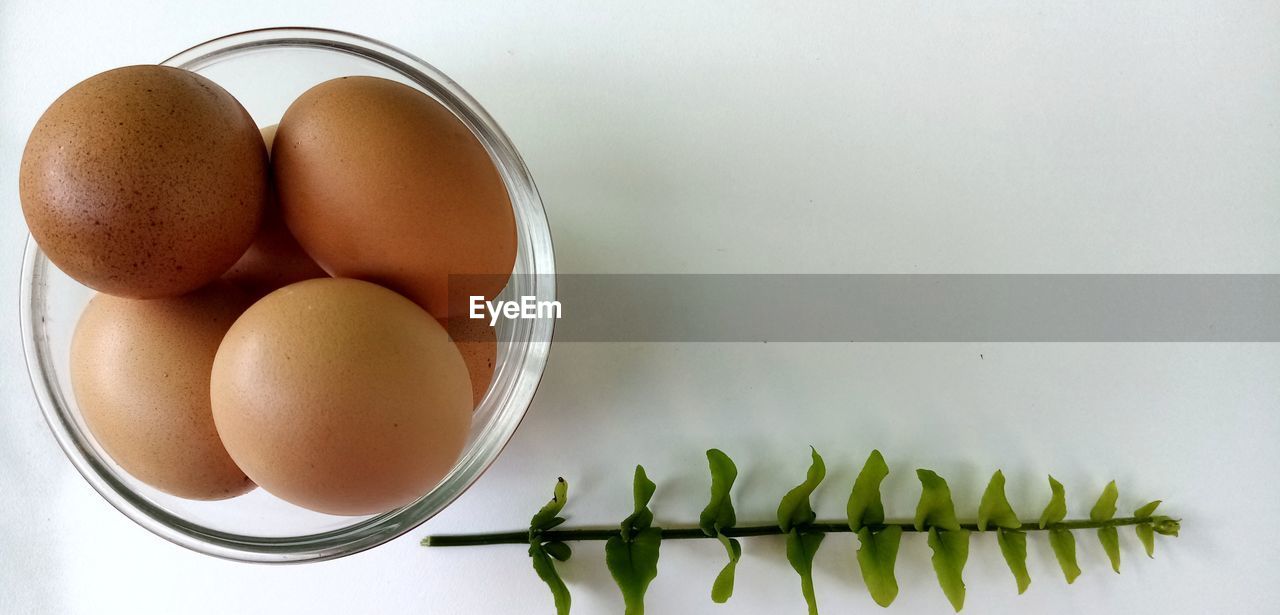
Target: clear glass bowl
[(266, 70)]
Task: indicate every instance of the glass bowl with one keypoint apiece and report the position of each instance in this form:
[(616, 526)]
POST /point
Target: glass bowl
[(266, 70)]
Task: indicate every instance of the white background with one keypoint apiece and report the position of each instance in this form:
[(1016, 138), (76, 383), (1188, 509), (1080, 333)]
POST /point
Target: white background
[(1026, 136)]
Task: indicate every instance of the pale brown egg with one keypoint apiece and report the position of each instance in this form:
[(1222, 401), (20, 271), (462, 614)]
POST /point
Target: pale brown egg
[(140, 371), (477, 341), (341, 396), (144, 181), (380, 182), (275, 259)]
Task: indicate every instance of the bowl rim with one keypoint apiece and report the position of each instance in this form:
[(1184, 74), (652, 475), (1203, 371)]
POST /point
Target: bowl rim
[(372, 531)]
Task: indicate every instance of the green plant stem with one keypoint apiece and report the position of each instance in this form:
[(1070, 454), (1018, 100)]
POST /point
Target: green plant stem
[(569, 535)]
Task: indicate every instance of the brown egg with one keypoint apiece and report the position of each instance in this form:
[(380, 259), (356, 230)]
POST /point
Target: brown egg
[(275, 259), (478, 344), (140, 372), (341, 396), (144, 181), (380, 182)]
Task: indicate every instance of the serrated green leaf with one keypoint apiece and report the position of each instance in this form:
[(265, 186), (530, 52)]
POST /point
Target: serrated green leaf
[(794, 510), (719, 513), (634, 564), (994, 508), (1105, 508), (546, 569), (876, 558), (1064, 548), (935, 508), (801, 547), (546, 517), (1110, 539), (1146, 510), (950, 552), (1013, 545), (1147, 536), (865, 507), (641, 517), (1056, 511), (722, 588)]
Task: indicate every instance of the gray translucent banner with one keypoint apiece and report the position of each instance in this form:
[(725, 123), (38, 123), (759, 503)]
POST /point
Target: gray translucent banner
[(918, 308)]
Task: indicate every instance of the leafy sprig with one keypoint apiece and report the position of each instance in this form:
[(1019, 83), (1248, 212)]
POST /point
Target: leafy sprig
[(795, 518), (543, 551), (719, 516), (632, 555), (878, 550), (632, 550)]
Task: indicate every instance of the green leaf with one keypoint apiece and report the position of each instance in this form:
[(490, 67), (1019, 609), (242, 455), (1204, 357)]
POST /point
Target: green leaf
[(1146, 510), (1056, 511), (546, 517), (1013, 545), (1105, 508), (642, 490), (1147, 536), (950, 552), (794, 510), (935, 508), (546, 569), (634, 564), (994, 508), (722, 588), (719, 514), (794, 513), (632, 555), (876, 557), (865, 507), (1110, 539), (1064, 548), (801, 547), (558, 550), (641, 518)]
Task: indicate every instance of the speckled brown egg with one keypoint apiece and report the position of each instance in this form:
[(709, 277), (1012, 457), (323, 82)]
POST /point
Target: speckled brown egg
[(140, 371), (144, 181), (341, 396), (380, 182), (477, 341), (275, 259)]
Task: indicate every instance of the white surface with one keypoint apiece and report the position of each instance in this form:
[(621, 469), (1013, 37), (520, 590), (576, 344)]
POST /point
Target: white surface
[(894, 137)]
